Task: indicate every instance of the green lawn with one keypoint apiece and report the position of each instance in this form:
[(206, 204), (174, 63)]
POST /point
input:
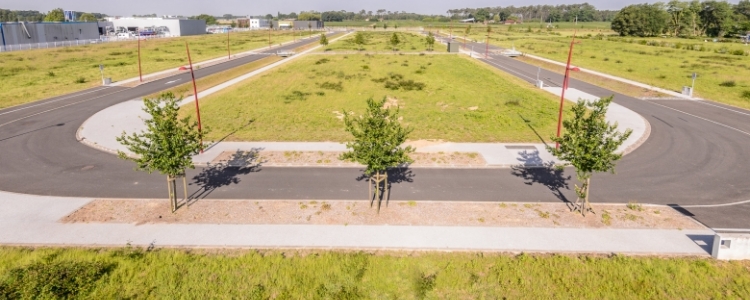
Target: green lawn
[(27, 76), (461, 100), (380, 41), (723, 68), (127, 273)]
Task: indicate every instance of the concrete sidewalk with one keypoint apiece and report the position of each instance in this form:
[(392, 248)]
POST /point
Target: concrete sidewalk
[(33, 220)]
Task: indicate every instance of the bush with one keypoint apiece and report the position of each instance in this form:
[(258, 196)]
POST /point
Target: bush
[(728, 83), (332, 86), (606, 59), (296, 95), (738, 52), (56, 280), (746, 94), (80, 80), (51, 74), (322, 61)]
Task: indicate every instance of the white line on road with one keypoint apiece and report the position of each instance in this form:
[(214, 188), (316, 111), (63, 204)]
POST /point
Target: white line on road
[(716, 205), (719, 106), (173, 81), (702, 118), (53, 101)]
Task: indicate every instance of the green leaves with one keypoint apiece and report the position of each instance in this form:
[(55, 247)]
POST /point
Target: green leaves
[(323, 39), (395, 40), (590, 142), (378, 137), (168, 143), (430, 41), (359, 39)]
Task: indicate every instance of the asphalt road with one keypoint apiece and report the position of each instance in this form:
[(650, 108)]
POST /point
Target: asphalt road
[(697, 155)]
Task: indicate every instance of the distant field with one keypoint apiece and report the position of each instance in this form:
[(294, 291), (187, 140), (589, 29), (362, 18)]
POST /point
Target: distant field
[(27, 76), (380, 41), (461, 100), (127, 273)]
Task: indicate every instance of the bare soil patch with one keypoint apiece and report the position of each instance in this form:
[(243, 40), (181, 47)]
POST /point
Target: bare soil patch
[(331, 159), (412, 213)]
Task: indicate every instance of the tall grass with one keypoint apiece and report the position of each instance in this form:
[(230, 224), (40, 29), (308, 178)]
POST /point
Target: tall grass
[(176, 274)]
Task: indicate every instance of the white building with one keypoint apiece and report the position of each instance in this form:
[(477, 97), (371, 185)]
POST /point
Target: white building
[(159, 26), (259, 23)]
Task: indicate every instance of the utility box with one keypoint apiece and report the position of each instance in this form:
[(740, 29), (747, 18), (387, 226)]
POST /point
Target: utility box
[(687, 91), (731, 245), (540, 84), (107, 81), (454, 47)]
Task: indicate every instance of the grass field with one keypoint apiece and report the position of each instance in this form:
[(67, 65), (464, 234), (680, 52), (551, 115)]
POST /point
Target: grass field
[(129, 273), (379, 41), (723, 68), (446, 97), (27, 76)]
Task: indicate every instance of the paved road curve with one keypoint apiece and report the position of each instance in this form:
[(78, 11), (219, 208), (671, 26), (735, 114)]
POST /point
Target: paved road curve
[(697, 155)]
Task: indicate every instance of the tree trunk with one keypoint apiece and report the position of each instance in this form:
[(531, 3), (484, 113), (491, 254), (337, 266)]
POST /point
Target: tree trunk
[(586, 201), (184, 186), (171, 189)]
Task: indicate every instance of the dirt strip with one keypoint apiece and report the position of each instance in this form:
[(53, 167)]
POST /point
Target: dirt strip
[(425, 213)]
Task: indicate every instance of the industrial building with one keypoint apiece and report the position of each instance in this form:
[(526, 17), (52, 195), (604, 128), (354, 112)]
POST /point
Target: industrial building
[(23, 33), (259, 24), (298, 25), (158, 26)]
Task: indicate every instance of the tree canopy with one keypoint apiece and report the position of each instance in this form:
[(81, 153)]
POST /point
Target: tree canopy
[(55, 15), (87, 17), (210, 20), (641, 20)]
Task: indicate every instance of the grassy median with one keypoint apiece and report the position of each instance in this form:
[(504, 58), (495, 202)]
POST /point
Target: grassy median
[(130, 273), (380, 41), (448, 97), (31, 75)]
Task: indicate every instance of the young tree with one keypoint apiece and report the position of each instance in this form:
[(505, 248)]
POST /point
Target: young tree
[(323, 39), (677, 11), (395, 41), (168, 143), (385, 26), (430, 41), (55, 15), (378, 137), (359, 40), (589, 145)]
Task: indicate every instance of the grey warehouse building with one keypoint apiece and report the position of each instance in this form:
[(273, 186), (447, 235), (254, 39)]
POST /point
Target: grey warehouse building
[(34, 33), (165, 26)]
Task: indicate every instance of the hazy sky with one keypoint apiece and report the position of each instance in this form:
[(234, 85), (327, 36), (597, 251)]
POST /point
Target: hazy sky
[(261, 7)]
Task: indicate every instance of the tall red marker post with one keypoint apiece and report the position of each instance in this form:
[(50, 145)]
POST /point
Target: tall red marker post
[(564, 88), (140, 74), (229, 53), (195, 92)]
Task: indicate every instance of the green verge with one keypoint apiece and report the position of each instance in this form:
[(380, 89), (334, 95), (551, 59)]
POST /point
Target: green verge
[(380, 41), (462, 100), (723, 68), (32, 75), (128, 273)]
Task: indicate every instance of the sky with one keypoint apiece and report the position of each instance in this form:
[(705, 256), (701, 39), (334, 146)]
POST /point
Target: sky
[(255, 7)]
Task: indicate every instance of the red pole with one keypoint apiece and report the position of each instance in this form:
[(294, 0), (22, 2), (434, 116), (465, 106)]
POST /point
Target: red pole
[(229, 53), (487, 49), (140, 74), (195, 92), (565, 87)]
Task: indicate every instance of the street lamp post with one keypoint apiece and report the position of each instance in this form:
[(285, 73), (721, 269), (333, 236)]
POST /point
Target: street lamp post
[(140, 74), (195, 91), (229, 53)]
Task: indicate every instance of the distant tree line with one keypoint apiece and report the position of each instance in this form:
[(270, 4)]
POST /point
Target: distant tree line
[(548, 13), (51, 16), (684, 18)]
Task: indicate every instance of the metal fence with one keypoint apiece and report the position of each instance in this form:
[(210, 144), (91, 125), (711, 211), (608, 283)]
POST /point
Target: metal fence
[(104, 39)]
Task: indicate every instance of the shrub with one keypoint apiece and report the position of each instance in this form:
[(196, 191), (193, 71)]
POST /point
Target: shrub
[(365, 67), (332, 86), (51, 74), (512, 103), (296, 95), (728, 83), (632, 205), (746, 94), (738, 52), (630, 70), (322, 61), (606, 59), (52, 280), (618, 61), (80, 80), (662, 77), (320, 94)]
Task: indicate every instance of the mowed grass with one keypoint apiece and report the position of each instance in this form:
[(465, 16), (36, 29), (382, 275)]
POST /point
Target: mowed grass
[(461, 100), (723, 68), (129, 273), (27, 76), (381, 41)]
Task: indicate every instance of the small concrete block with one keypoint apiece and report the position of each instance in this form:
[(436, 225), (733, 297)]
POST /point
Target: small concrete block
[(731, 246)]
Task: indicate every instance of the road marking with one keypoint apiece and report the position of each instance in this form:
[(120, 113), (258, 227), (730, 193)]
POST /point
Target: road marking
[(53, 101), (704, 119), (716, 205), (173, 81), (719, 106)]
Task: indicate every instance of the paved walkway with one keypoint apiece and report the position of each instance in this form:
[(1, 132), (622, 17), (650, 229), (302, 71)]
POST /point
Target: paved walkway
[(33, 220), (100, 131)]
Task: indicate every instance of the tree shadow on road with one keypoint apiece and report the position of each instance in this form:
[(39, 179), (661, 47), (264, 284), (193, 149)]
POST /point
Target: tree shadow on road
[(395, 176), (225, 173), (535, 171)]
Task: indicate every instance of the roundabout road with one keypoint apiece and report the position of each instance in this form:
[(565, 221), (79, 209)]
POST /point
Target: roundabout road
[(698, 154)]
